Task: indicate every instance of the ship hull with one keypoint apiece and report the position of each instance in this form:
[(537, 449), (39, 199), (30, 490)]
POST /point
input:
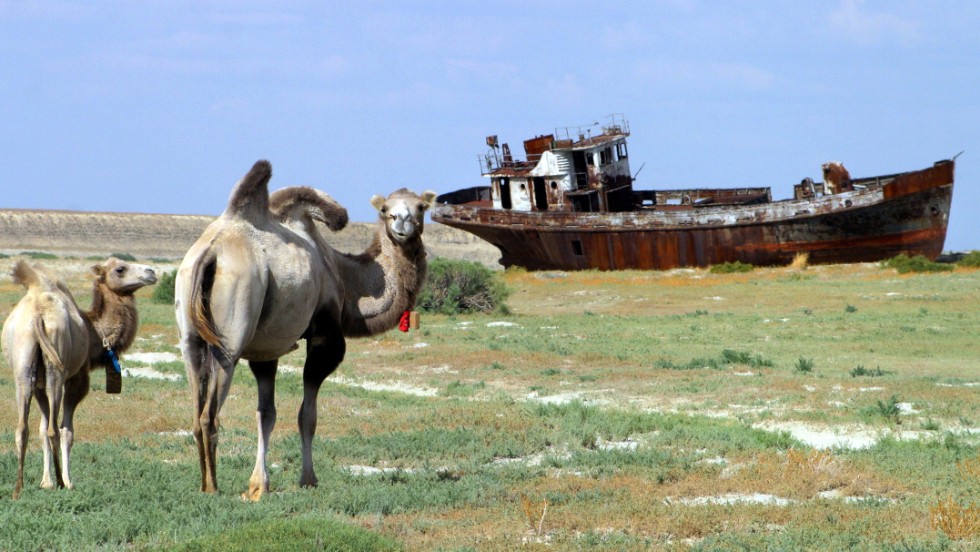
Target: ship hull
[(904, 213)]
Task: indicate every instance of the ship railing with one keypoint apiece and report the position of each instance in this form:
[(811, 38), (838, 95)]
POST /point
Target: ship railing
[(492, 162), (577, 133)]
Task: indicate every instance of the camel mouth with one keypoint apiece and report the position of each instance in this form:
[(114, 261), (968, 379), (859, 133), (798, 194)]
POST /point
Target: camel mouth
[(148, 280)]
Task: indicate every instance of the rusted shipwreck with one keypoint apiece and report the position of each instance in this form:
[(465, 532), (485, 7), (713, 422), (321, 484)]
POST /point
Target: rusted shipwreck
[(571, 205)]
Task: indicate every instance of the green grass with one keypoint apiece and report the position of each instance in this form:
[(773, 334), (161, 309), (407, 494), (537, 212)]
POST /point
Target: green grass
[(615, 398)]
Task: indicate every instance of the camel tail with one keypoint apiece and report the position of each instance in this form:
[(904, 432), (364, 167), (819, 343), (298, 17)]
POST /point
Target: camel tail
[(24, 274), (200, 304), (250, 198), (47, 348)]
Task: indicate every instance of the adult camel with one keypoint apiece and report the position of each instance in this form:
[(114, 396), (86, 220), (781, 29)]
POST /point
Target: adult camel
[(260, 278)]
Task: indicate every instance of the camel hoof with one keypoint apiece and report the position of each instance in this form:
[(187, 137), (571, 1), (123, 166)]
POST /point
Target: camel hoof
[(254, 494), (312, 484)]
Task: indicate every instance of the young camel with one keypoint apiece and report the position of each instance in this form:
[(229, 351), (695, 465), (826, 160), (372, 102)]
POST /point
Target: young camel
[(52, 344), (261, 278)]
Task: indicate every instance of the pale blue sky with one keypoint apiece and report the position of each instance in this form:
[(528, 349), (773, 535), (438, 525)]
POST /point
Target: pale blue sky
[(160, 106)]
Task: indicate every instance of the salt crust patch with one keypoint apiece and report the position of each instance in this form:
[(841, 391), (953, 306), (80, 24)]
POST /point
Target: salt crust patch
[(500, 323), (564, 398), (846, 437), (371, 470), (397, 387), (149, 373), (151, 358), (178, 433), (732, 498)]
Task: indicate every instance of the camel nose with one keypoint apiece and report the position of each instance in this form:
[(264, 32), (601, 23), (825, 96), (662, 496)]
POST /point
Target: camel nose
[(404, 225), (149, 276)]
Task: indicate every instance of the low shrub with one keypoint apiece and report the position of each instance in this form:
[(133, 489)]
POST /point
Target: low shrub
[(804, 365), (918, 263), (971, 260), (728, 357), (124, 257), (860, 370), (456, 286), (730, 268), (890, 409), (39, 255), (163, 293)]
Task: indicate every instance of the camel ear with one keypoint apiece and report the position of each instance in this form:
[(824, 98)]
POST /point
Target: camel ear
[(428, 197), (377, 201), (99, 271)]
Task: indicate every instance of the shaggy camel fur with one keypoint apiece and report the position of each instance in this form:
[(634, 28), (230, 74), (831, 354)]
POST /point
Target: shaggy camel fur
[(51, 345), (259, 279)]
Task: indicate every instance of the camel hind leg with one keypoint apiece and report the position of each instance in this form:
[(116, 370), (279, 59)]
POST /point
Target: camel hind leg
[(25, 393), (49, 401), (325, 349), (209, 374), (265, 415)]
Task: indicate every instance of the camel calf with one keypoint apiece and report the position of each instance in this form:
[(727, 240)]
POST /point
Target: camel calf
[(51, 345)]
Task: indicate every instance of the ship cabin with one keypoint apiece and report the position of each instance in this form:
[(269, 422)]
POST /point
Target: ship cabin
[(570, 170)]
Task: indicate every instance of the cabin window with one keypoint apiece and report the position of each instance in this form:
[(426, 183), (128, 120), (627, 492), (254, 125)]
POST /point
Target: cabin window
[(590, 159), (577, 248), (621, 151), (605, 156)]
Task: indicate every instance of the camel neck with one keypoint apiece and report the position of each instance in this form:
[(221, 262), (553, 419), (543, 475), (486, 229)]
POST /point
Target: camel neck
[(382, 283), (113, 317)]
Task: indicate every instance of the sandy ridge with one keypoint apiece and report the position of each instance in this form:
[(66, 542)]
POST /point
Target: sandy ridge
[(144, 235)]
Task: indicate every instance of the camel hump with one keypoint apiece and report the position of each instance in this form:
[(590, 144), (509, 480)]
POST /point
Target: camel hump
[(24, 274), (296, 201), (35, 277), (250, 197)]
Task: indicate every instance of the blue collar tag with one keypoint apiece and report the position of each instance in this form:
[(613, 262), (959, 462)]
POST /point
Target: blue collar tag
[(114, 359)]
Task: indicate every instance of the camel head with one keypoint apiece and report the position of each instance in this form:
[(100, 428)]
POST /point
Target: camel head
[(403, 213), (123, 278)]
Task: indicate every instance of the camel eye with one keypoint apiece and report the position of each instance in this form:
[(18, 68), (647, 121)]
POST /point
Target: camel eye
[(120, 270)]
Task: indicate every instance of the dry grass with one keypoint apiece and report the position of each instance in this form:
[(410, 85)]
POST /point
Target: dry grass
[(800, 261), (957, 521)]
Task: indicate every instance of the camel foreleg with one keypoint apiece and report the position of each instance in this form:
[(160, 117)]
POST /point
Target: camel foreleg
[(265, 416), (76, 388), (323, 355)]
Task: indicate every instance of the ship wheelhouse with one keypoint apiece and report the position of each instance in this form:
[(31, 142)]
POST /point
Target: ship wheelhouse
[(570, 170)]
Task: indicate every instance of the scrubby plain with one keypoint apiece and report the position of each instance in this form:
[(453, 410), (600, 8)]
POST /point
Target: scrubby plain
[(833, 407)]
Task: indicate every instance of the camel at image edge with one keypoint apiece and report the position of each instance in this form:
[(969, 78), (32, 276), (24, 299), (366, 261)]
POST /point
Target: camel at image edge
[(260, 278), (51, 345)]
